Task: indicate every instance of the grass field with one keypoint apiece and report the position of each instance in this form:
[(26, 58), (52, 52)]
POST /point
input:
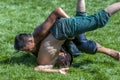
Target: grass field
[(18, 16)]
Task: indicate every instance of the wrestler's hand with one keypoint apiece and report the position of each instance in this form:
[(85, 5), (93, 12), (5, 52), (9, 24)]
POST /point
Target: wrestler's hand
[(63, 70)]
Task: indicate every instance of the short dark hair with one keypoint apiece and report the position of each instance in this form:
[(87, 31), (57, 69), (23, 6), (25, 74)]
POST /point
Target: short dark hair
[(21, 40)]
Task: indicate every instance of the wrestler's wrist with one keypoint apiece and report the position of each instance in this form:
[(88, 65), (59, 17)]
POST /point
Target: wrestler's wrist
[(61, 72)]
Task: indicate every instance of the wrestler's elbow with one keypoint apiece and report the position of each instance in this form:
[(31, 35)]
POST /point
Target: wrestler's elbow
[(58, 10)]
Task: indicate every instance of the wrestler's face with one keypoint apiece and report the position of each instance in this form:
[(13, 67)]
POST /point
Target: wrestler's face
[(30, 45)]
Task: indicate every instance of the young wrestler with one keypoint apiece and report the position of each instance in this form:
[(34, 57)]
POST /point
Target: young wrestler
[(50, 45)]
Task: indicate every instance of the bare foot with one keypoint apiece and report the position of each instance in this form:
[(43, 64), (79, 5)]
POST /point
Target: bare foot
[(117, 56), (114, 54)]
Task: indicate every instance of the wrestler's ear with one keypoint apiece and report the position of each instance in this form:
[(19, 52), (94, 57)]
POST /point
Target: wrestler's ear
[(31, 40)]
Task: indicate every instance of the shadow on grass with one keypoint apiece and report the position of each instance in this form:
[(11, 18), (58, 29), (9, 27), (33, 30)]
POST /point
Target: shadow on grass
[(25, 59), (84, 66), (79, 64), (87, 62)]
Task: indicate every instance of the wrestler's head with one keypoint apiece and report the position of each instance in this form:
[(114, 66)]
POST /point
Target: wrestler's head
[(24, 42)]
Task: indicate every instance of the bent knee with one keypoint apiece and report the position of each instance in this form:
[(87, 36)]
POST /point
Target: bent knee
[(87, 46)]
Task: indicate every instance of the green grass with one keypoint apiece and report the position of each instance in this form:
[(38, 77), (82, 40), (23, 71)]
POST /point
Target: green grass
[(18, 16)]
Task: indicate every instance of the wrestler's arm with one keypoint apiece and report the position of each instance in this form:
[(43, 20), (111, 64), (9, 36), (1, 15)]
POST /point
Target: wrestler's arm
[(48, 23), (49, 68)]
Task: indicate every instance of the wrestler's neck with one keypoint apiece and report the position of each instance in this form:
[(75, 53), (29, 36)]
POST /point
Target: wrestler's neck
[(37, 42), (35, 48), (31, 47)]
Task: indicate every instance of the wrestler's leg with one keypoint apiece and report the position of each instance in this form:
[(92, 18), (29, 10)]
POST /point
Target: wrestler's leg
[(113, 8), (81, 41), (113, 53), (69, 45), (92, 47), (71, 48), (85, 45)]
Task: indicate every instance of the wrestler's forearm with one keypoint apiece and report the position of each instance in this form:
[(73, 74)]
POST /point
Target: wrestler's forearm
[(81, 6), (50, 70), (46, 68), (62, 70)]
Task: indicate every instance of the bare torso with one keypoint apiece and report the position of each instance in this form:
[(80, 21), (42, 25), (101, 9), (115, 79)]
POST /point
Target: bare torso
[(49, 50)]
